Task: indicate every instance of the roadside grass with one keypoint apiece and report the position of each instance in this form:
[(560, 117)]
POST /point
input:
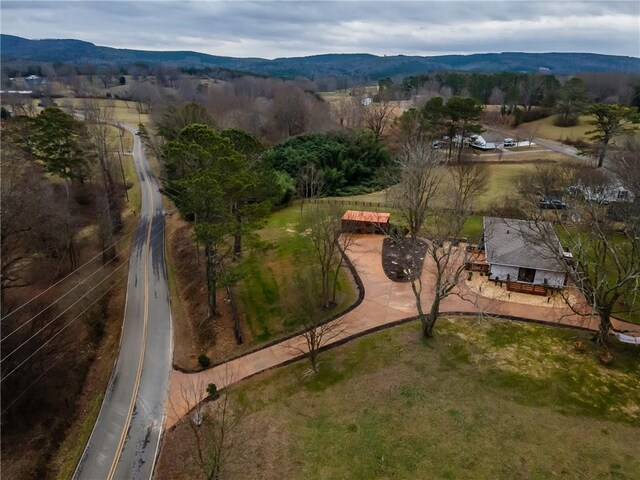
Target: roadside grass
[(485, 398), (131, 176), (523, 157), (268, 276), (71, 450)]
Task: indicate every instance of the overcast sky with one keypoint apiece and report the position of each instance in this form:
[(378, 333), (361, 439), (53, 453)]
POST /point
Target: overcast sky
[(272, 29)]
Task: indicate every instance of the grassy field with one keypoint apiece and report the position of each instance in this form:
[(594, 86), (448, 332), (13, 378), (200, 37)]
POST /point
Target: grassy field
[(123, 111), (484, 399), (546, 129), (269, 271)]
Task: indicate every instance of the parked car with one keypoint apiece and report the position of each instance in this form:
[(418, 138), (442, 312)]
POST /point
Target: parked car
[(509, 142), (552, 202)]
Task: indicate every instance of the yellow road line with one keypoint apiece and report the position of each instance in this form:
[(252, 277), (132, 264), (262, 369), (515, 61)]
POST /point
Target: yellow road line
[(134, 397)]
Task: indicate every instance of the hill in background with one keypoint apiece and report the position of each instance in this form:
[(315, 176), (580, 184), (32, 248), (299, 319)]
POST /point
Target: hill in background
[(341, 65)]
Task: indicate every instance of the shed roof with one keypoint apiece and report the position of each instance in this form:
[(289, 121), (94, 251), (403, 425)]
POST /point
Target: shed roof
[(369, 217), (520, 243)]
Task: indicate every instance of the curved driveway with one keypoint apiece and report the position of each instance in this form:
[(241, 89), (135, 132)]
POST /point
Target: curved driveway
[(385, 303), (126, 436)]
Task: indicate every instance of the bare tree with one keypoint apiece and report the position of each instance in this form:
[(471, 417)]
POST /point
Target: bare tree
[(310, 183), (447, 210), (626, 164), (290, 112), (378, 117), (98, 118), (605, 251), (420, 178), (346, 111), (324, 229), (444, 253), (213, 424), (309, 311)]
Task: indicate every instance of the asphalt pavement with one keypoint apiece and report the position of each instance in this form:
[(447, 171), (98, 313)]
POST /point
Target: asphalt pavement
[(125, 439)]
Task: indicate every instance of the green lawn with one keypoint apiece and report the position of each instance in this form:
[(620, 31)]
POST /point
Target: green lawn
[(268, 276), (484, 399)]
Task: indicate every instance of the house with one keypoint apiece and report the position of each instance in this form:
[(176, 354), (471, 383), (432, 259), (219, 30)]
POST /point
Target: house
[(355, 221), (606, 194), (524, 252)]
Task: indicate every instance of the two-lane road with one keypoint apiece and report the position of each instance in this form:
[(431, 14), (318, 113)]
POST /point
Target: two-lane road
[(126, 436)]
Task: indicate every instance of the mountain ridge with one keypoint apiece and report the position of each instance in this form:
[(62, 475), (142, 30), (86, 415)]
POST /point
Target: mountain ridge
[(360, 65)]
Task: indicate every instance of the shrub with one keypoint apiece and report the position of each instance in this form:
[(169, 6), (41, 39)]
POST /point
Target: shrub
[(569, 121), (212, 390), (518, 117), (535, 114), (204, 361)]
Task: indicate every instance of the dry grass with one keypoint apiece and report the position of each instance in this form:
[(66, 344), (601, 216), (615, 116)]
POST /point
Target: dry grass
[(484, 399), (546, 129)]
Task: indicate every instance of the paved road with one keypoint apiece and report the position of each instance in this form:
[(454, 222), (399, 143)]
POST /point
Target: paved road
[(548, 144), (126, 436)]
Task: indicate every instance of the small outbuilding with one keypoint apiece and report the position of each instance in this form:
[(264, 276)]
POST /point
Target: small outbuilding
[(356, 221)]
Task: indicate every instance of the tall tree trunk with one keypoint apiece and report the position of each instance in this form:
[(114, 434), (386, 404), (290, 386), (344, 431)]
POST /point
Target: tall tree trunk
[(237, 238), (429, 323), (604, 328), (335, 277), (211, 282), (237, 246), (417, 291), (602, 153)]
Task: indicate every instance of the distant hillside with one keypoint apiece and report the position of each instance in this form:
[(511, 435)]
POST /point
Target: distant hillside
[(350, 65)]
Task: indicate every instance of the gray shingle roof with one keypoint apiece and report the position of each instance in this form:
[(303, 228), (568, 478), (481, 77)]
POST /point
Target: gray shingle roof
[(520, 243)]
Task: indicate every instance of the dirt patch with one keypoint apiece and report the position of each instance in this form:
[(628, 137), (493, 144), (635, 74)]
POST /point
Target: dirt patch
[(399, 258)]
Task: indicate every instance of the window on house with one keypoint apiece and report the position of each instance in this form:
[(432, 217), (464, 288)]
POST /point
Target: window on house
[(623, 194), (526, 274)]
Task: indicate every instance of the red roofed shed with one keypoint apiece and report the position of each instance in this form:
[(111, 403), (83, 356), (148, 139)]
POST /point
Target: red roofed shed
[(355, 221)]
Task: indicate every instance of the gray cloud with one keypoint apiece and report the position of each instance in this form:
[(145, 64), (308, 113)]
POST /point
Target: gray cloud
[(272, 29)]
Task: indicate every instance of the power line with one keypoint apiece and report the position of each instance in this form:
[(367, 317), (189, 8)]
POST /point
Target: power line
[(51, 364), (60, 314), (124, 235), (69, 291), (57, 333), (56, 300)]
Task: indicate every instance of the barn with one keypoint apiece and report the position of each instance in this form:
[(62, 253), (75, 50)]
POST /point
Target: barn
[(356, 221)]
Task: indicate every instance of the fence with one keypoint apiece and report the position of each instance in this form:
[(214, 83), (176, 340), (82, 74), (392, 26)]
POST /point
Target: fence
[(527, 288), (334, 201), (361, 203), (477, 267)]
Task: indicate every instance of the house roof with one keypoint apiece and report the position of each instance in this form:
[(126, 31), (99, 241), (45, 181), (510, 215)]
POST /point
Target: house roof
[(371, 217), (520, 243)]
